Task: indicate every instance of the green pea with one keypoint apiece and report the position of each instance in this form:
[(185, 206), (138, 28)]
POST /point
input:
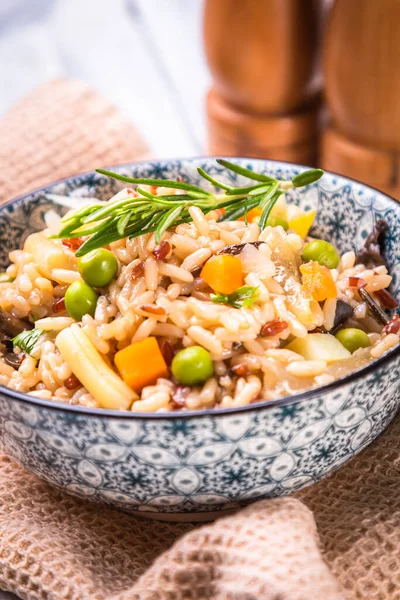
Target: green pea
[(80, 299), (192, 365), (98, 267), (274, 221), (322, 252), (353, 339)]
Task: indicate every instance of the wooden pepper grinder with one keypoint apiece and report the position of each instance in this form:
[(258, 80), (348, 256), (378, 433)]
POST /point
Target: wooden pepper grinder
[(362, 85), (263, 57)]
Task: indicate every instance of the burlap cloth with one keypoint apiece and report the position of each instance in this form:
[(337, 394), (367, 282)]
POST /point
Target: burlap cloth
[(53, 546)]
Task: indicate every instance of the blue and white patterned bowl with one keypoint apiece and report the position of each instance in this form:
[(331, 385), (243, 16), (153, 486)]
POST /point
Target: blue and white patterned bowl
[(188, 466)]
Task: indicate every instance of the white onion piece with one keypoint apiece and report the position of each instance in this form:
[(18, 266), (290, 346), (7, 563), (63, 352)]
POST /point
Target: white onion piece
[(52, 220), (255, 262)]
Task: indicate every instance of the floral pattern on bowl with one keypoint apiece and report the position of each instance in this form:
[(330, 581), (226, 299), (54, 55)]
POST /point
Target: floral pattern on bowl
[(192, 465)]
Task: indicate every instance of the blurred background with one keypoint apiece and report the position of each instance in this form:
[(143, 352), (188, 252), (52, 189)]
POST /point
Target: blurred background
[(314, 82), (145, 56)]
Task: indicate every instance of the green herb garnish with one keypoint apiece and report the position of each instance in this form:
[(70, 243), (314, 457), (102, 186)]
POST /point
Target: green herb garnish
[(243, 296), (146, 213), (307, 177), (27, 340)]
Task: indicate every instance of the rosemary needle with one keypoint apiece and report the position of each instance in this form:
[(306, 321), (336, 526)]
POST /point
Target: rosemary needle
[(148, 212)]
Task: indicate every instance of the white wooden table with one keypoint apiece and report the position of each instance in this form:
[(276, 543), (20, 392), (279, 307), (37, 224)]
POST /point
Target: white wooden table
[(145, 56)]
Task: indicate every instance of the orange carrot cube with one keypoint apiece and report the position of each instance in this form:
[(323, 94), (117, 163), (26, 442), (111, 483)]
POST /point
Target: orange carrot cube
[(252, 214), (141, 363), (223, 273), (318, 281)]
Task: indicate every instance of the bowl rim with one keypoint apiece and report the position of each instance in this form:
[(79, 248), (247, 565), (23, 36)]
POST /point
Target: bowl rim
[(310, 393)]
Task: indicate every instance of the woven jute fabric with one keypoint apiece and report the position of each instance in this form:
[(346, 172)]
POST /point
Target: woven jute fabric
[(54, 546), (339, 539), (60, 129)]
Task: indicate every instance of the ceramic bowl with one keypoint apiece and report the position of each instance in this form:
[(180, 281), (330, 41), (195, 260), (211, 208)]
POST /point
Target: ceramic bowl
[(188, 466)]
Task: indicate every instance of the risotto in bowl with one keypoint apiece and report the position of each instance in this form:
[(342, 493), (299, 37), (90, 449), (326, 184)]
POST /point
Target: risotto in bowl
[(182, 337)]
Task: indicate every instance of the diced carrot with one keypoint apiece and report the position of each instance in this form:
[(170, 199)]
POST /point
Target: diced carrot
[(141, 363), (318, 281), (220, 212), (223, 273), (301, 225), (252, 214)]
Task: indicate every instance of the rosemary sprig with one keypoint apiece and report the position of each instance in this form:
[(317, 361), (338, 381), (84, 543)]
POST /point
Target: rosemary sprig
[(168, 183), (147, 212)]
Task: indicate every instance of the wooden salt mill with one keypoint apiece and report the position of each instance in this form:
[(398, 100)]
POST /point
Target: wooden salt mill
[(263, 58), (362, 87)]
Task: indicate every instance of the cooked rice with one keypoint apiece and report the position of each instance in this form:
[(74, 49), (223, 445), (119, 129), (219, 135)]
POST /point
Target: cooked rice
[(162, 297)]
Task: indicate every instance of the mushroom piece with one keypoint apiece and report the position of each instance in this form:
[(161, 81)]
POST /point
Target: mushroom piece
[(343, 312), (235, 249), (371, 254), (12, 326), (375, 310), (14, 360)]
